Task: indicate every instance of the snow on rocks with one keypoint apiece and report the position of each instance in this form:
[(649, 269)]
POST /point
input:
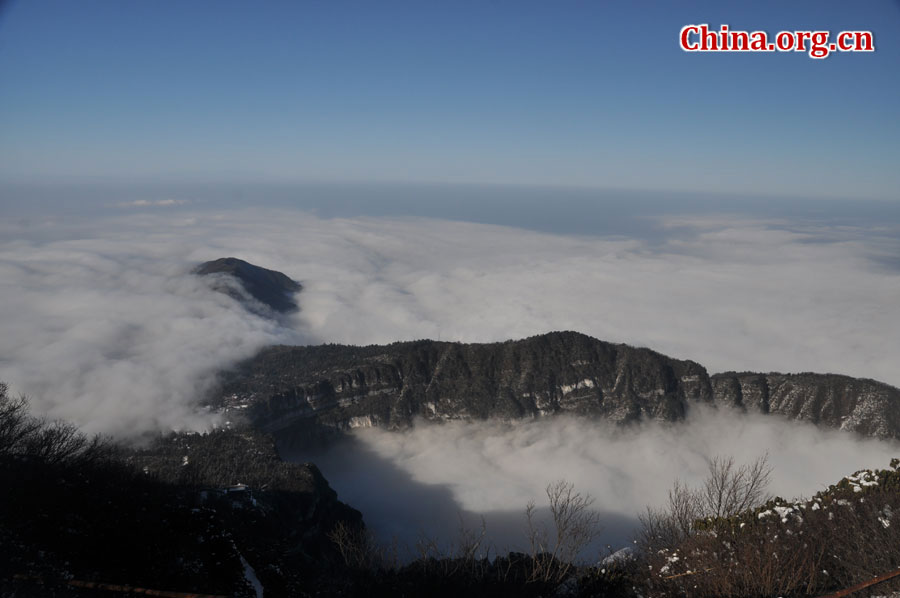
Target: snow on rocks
[(783, 512), (862, 479)]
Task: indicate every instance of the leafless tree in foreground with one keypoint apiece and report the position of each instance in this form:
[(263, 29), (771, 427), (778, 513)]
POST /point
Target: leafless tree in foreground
[(359, 550), (729, 489), (575, 525)]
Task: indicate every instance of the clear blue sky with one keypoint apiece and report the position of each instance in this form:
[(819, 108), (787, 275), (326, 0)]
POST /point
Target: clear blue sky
[(594, 94)]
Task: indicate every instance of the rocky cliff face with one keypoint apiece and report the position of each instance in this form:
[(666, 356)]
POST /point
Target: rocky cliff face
[(334, 387), (856, 404), (301, 393)]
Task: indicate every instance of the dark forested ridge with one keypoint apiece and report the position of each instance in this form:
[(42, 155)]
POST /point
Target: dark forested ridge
[(272, 289), (190, 513), (305, 392), (311, 389)]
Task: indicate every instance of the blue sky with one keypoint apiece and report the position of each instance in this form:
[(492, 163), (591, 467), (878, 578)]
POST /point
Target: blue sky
[(585, 94)]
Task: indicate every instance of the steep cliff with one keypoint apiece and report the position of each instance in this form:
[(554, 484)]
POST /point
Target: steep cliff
[(306, 390), (857, 404), (302, 393)]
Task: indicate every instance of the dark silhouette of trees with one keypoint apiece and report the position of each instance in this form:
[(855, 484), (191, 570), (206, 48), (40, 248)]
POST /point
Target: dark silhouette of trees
[(26, 437)]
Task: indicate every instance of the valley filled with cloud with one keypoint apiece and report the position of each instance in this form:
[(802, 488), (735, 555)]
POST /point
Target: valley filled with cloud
[(426, 482)]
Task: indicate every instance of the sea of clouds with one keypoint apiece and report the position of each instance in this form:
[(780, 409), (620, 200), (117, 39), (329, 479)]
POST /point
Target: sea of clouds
[(102, 323)]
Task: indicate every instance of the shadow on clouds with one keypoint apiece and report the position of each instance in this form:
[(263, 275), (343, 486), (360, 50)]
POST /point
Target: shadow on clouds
[(434, 478), (408, 513)]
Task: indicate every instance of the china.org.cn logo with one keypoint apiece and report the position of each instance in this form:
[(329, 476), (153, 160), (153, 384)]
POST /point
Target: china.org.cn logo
[(818, 44)]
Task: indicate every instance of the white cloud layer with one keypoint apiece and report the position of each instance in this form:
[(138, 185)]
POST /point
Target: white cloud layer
[(413, 482), (101, 322), (120, 341)]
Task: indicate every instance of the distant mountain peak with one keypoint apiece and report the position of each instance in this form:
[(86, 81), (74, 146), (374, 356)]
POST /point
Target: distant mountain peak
[(273, 289)]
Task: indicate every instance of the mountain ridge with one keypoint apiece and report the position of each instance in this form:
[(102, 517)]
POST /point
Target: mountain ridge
[(861, 405), (305, 391)]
